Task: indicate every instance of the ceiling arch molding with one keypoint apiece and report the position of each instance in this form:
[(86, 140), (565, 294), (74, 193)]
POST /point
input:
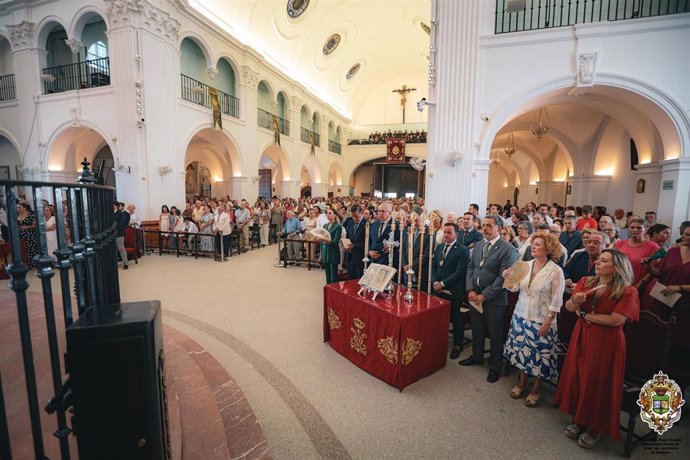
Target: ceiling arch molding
[(671, 116)]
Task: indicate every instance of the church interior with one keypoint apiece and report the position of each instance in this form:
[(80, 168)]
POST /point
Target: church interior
[(575, 103)]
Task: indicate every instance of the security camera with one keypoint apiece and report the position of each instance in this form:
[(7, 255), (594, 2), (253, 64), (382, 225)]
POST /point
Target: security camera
[(421, 104)]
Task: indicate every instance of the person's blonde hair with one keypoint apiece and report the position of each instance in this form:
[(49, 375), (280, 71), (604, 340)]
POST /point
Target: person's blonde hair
[(622, 275), (551, 243)]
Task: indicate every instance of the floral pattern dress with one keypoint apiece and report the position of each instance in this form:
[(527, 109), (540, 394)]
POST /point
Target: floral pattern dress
[(540, 294), (30, 236), (207, 242)]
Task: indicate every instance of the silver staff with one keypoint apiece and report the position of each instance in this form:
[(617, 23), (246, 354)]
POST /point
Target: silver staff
[(432, 245), (421, 257)]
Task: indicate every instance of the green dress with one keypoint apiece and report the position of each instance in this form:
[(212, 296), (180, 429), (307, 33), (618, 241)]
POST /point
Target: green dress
[(330, 252)]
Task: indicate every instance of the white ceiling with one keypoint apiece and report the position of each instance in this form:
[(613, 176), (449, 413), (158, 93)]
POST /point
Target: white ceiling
[(383, 36)]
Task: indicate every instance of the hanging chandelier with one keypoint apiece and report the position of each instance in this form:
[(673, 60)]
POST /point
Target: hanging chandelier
[(542, 127), (495, 158), (510, 149)]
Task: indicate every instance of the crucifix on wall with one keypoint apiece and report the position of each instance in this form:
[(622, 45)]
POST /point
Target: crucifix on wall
[(403, 97)]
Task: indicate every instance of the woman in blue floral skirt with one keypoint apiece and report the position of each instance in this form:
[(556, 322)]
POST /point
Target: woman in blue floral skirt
[(531, 343)]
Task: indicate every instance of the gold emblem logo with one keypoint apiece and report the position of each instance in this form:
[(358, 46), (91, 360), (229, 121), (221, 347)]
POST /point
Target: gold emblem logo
[(333, 320), (389, 348), (411, 348), (358, 339), (660, 402)]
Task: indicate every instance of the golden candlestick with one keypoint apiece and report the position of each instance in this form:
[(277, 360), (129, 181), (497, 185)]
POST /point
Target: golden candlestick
[(410, 272), (432, 244)]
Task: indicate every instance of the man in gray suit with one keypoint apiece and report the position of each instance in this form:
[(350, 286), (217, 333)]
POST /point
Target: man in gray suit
[(490, 258)]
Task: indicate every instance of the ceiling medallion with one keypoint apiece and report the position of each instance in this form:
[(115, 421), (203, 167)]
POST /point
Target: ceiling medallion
[(295, 8), (353, 71), (425, 27), (331, 44)]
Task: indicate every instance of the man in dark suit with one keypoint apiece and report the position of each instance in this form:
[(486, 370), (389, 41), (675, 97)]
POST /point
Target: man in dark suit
[(378, 233), (448, 273), (490, 258), (469, 236), (356, 229)]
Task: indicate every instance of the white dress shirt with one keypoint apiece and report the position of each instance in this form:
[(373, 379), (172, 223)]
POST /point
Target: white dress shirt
[(541, 295)]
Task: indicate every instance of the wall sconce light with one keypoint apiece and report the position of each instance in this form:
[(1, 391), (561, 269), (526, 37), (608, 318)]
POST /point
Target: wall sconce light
[(163, 170)]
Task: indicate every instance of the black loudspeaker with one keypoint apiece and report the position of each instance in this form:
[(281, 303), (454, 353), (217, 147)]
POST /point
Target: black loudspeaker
[(117, 372)]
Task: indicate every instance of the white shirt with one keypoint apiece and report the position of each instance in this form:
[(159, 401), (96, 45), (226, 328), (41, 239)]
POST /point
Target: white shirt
[(542, 295), (134, 220), (221, 223)]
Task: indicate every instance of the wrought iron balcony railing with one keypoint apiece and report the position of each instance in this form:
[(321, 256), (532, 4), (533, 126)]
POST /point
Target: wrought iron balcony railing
[(334, 147), (265, 120), (521, 15), (7, 90), (307, 134), (80, 75), (198, 93)]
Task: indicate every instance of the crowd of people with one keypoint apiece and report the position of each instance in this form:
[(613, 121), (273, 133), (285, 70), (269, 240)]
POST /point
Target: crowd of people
[(544, 260), (555, 260), (411, 137)]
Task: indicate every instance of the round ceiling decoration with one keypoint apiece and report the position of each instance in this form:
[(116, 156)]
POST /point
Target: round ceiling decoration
[(425, 28), (331, 44), (295, 8), (353, 71)]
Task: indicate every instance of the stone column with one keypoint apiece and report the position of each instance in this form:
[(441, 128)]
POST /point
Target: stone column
[(454, 177), (249, 113), (28, 89)]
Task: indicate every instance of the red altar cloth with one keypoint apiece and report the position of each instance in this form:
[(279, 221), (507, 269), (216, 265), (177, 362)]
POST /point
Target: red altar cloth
[(397, 342)]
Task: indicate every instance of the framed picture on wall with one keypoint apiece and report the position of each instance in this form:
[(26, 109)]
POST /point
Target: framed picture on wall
[(640, 186), (4, 173)]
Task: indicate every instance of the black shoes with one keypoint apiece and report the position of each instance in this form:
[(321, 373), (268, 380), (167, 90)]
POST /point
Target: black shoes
[(455, 352), (492, 377), (125, 267), (470, 361)]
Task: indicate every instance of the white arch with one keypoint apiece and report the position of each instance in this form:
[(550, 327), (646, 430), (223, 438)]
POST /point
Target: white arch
[(200, 42), (9, 42), (64, 127), (337, 169), (540, 93), (13, 140), (42, 35), (228, 147), (79, 20), (373, 156), (233, 66), (278, 156), (313, 167)]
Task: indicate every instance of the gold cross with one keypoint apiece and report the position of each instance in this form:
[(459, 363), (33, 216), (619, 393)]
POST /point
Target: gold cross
[(403, 97)]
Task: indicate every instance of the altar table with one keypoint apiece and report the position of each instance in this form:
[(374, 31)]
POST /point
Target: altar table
[(396, 341)]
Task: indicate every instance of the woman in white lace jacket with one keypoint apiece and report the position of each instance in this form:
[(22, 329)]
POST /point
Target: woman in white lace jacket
[(531, 343)]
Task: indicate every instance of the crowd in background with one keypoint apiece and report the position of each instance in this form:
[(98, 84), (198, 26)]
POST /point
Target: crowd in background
[(411, 137)]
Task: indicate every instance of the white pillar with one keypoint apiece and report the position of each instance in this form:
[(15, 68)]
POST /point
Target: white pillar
[(28, 87), (453, 120), (674, 206), (145, 63), (290, 189), (591, 190)]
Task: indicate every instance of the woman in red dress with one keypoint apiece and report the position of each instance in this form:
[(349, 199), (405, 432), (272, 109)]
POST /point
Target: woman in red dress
[(591, 385)]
